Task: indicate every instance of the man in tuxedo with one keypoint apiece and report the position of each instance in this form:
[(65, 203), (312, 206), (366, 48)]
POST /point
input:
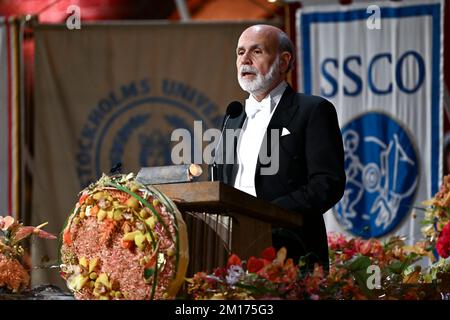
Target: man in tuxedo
[(310, 175)]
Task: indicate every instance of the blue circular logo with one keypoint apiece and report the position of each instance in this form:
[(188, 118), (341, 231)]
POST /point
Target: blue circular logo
[(382, 167)]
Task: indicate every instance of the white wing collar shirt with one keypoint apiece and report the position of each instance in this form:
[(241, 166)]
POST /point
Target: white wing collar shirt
[(253, 131)]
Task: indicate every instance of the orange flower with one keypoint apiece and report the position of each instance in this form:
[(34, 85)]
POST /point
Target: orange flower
[(254, 264), (269, 254), (12, 274), (83, 197), (233, 260), (67, 237)]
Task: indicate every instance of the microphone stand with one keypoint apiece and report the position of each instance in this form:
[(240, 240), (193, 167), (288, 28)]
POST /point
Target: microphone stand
[(214, 164)]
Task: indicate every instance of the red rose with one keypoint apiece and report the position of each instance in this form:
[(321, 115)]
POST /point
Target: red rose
[(233, 260), (443, 243), (269, 254), (254, 264), (220, 272)]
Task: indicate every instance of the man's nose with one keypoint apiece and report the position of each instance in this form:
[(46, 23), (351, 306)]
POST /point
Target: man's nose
[(246, 59)]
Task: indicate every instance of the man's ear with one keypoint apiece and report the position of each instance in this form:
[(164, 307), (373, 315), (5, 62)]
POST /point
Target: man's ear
[(285, 58)]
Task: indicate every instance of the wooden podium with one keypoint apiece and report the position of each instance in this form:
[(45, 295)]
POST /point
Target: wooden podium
[(221, 219)]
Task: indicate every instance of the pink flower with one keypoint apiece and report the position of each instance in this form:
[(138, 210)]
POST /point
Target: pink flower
[(6, 222), (364, 247), (336, 241), (350, 252), (25, 231)]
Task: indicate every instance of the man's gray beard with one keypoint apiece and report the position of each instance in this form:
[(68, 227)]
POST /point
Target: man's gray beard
[(262, 83)]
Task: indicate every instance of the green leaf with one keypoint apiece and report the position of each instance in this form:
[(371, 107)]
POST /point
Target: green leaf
[(396, 267), (358, 269), (360, 263), (262, 290), (361, 277), (148, 273)]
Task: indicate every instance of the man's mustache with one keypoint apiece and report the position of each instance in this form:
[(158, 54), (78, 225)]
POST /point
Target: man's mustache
[(248, 69)]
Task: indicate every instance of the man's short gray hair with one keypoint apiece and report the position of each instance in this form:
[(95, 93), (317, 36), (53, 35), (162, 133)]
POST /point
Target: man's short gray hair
[(285, 44)]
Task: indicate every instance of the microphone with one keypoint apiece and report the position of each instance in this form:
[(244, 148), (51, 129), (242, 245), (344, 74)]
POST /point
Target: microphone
[(116, 168), (234, 110)]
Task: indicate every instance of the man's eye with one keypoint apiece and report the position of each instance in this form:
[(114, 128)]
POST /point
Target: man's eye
[(240, 53), (258, 51)]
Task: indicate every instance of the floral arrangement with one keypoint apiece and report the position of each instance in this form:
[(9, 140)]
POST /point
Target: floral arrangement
[(124, 240), (274, 277), (350, 260), (400, 276), (268, 276), (436, 230), (436, 223), (14, 263)]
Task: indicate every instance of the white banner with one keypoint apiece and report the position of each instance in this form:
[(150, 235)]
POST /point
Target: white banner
[(381, 66)]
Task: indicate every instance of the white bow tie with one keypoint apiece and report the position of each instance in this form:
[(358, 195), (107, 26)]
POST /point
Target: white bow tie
[(252, 107)]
